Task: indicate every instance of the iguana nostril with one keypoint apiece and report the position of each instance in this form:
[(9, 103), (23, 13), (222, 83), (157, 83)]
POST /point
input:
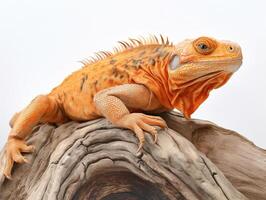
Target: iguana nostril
[(231, 48)]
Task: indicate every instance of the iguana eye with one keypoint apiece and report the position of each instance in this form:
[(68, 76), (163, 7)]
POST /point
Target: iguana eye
[(174, 63), (203, 48), (204, 45)]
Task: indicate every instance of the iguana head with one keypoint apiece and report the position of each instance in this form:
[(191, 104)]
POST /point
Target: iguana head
[(198, 66)]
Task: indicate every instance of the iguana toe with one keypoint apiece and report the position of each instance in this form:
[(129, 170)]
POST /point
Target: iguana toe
[(13, 154)]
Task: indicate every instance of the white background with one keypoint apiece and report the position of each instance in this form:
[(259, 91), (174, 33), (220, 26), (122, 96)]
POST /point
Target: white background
[(41, 42)]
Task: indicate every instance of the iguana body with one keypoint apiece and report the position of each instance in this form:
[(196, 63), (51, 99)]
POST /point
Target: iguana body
[(142, 76), (76, 93)]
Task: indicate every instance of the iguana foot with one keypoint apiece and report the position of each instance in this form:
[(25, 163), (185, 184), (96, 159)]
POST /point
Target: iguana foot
[(139, 122), (13, 150)]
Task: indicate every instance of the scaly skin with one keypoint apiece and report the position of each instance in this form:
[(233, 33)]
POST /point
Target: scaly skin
[(143, 76)]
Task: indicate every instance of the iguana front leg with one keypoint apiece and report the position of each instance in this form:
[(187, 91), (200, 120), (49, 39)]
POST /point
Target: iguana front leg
[(114, 104), (41, 109)]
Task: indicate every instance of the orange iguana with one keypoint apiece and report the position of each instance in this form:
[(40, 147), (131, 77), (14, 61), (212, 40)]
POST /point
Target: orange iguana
[(141, 76)]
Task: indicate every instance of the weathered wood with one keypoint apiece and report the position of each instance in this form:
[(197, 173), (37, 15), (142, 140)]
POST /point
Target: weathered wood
[(242, 162), (193, 159)]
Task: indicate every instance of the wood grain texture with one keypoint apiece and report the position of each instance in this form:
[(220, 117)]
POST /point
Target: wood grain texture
[(193, 159)]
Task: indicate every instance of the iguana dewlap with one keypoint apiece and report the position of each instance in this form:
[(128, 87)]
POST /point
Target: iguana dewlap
[(149, 75)]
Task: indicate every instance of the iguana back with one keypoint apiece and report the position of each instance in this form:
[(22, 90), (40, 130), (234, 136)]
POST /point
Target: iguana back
[(75, 94)]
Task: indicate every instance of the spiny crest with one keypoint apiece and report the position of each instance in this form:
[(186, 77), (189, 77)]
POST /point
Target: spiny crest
[(125, 45)]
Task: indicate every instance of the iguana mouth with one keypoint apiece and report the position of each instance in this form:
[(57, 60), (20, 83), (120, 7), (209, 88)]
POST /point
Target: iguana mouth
[(223, 61)]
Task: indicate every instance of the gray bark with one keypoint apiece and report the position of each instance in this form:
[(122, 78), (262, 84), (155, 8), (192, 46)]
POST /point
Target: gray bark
[(193, 159)]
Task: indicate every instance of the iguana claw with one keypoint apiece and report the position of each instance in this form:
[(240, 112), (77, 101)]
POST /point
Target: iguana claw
[(13, 154), (139, 122)]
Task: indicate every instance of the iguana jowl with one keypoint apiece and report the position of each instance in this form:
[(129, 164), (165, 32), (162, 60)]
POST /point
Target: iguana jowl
[(142, 76)]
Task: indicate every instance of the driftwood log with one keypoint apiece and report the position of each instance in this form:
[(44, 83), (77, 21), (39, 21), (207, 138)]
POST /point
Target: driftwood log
[(193, 160)]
